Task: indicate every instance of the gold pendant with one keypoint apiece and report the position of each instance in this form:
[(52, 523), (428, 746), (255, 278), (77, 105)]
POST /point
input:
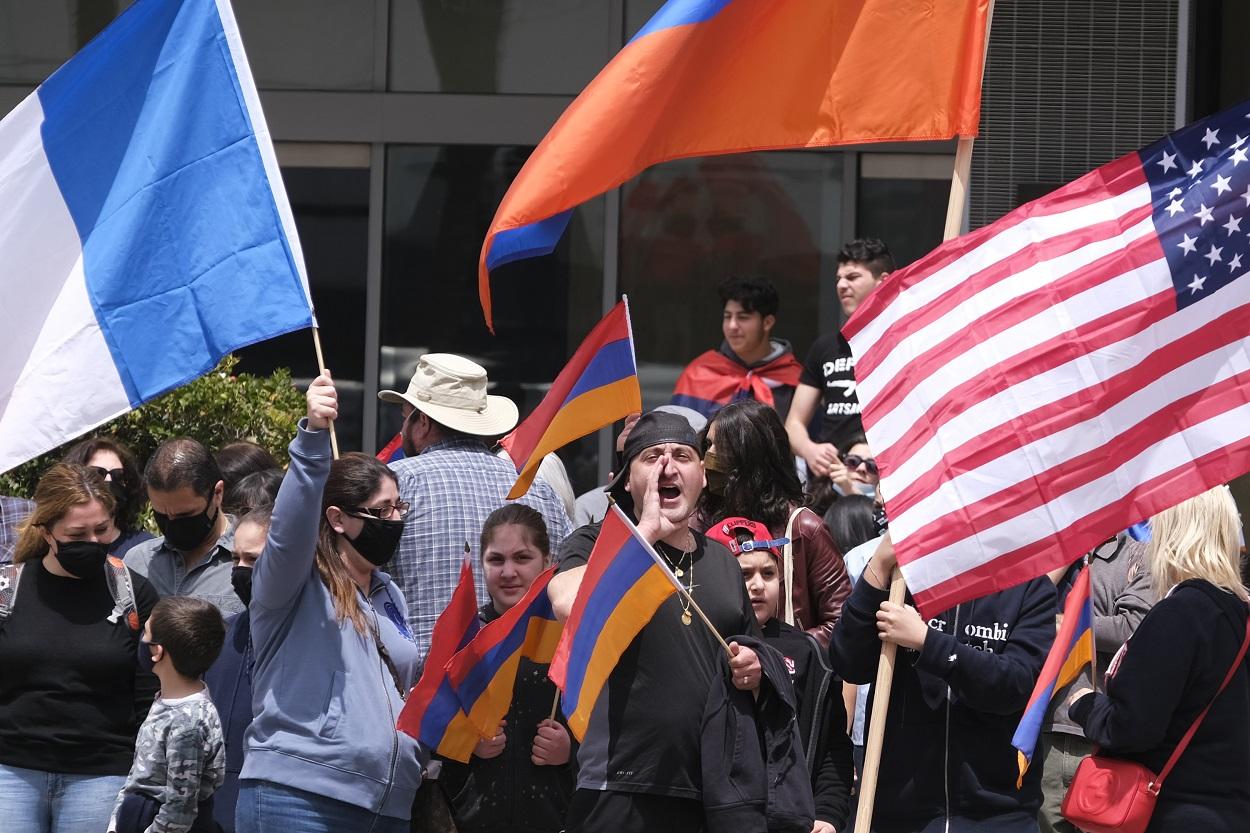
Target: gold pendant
[(678, 572), (685, 617)]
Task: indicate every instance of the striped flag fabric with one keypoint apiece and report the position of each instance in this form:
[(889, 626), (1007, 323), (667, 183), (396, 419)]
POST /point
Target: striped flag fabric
[(598, 386), (483, 673), (1036, 386), (624, 584), (144, 228), (706, 77), (1072, 650), (392, 451), (432, 712)]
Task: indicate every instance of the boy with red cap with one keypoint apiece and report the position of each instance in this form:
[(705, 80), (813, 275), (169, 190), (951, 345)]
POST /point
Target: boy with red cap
[(822, 714)]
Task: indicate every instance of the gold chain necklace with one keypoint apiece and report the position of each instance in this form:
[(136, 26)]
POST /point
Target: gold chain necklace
[(688, 599)]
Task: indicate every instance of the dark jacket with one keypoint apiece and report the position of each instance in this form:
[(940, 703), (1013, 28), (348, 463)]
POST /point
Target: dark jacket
[(755, 777), (822, 720), (1166, 674), (954, 706), (821, 584), (229, 682), (509, 792)]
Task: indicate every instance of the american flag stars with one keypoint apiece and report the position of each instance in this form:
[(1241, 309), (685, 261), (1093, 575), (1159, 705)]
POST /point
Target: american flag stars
[(1199, 194)]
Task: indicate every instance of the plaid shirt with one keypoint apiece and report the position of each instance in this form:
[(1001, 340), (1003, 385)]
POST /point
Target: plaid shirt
[(453, 486), (13, 510)]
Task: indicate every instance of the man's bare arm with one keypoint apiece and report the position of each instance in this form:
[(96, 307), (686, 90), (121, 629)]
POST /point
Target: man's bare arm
[(562, 590)]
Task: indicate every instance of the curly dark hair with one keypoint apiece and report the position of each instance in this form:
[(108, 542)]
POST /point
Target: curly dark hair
[(869, 251), (133, 494), (762, 483)]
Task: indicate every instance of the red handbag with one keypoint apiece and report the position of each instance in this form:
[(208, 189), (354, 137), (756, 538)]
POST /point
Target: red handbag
[(1110, 795)]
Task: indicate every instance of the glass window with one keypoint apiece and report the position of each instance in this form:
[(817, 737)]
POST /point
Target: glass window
[(902, 201), (36, 38), (439, 202), (309, 44), (689, 224), (291, 44), (331, 207), (498, 46)]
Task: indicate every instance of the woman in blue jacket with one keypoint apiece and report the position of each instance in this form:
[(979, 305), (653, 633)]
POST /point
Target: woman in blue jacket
[(333, 655)]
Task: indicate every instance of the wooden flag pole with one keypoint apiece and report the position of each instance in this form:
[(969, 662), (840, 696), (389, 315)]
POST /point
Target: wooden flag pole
[(898, 589), (555, 704), (321, 368)]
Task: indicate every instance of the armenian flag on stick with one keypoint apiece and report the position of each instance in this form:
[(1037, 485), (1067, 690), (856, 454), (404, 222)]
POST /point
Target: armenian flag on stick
[(432, 713), (1072, 650), (483, 673), (598, 386), (624, 584)]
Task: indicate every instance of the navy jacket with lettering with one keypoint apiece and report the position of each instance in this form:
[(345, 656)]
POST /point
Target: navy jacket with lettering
[(953, 707)]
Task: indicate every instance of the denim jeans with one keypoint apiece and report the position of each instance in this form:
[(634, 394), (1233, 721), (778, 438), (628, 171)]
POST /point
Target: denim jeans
[(53, 802), (265, 807)]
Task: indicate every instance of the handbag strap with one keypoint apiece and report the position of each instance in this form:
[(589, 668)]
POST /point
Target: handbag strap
[(787, 566), (1157, 783)]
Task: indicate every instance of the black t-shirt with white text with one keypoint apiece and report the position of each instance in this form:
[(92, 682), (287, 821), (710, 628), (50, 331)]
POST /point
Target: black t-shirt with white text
[(830, 368), (644, 731)]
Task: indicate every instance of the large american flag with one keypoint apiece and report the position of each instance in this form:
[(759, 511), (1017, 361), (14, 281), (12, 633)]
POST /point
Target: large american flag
[(1033, 387)]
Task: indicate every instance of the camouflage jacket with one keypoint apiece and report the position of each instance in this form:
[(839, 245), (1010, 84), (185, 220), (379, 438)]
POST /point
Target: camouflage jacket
[(180, 760)]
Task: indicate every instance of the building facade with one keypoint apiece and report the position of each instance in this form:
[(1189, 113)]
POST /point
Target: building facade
[(401, 123)]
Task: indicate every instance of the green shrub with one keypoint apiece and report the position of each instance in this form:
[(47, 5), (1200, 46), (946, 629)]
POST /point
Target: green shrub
[(215, 409)]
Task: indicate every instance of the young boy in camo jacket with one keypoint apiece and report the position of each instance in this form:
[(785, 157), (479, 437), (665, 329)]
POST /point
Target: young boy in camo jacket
[(180, 757)]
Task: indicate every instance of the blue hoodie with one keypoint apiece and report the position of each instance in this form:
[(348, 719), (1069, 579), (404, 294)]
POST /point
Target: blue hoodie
[(325, 704)]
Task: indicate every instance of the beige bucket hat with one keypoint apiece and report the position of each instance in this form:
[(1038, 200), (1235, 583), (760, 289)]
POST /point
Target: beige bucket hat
[(451, 390)]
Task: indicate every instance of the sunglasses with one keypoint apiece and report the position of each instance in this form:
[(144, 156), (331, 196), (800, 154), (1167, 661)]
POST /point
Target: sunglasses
[(854, 461), (116, 475), (383, 513)]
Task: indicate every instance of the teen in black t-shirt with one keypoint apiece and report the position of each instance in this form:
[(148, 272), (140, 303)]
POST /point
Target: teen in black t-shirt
[(828, 379)]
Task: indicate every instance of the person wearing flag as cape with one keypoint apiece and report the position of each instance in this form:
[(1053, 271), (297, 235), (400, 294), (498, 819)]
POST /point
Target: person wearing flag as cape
[(639, 762)]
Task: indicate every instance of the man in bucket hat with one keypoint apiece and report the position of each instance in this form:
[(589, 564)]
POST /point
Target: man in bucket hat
[(639, 763), (452, 481)]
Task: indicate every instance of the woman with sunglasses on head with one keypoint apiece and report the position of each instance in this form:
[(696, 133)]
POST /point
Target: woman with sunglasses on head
[(117, 465), (333, 656), (72, 695), (751, 474)]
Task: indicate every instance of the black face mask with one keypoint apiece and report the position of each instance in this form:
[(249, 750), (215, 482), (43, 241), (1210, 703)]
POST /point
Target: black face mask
[(118, 488), (185, 534), (241, 581), (82, 559), (378, 539)]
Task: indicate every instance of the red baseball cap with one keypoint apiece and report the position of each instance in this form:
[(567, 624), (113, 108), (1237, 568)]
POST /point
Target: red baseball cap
[(727, 531)]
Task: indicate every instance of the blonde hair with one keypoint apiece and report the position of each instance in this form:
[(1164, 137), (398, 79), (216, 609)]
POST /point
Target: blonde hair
[(1197, 539), (61, 488)]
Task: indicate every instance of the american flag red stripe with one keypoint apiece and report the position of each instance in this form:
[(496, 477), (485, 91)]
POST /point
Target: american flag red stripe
[(1084, 362)]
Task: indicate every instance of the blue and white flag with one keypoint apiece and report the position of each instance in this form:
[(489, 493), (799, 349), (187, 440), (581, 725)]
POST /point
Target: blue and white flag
[(144, 228)]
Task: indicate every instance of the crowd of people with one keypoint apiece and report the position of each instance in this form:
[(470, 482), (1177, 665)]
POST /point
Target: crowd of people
[(244, 669)]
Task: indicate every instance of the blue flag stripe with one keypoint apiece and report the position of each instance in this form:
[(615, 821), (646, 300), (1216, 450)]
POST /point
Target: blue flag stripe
[(184, 252)]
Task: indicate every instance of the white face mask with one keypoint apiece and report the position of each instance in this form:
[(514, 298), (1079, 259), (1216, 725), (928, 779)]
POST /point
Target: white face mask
[(865, 489)]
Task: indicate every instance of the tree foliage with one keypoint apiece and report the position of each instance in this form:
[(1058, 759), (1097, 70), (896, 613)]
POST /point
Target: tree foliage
[(215, 409)]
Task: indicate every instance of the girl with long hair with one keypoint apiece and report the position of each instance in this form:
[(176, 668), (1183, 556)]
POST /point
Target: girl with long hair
[(333, 653), (1171, 669), (751, 474), (71, 692)]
